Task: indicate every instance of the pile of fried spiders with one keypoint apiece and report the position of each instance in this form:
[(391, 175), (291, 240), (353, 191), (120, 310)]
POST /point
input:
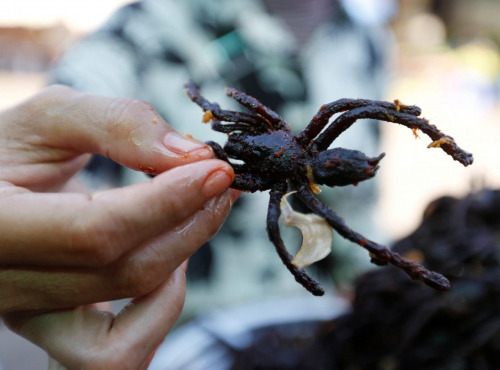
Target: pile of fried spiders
[(267, 155)]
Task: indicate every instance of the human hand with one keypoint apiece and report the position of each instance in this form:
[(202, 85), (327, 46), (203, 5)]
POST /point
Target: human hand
[(91, 337), (61, 251)]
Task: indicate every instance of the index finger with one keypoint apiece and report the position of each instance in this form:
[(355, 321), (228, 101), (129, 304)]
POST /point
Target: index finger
[(129, 131), (77, 230)]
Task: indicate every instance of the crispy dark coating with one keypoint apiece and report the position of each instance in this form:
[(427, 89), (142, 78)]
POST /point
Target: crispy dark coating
[(273, 158), (397, 322)]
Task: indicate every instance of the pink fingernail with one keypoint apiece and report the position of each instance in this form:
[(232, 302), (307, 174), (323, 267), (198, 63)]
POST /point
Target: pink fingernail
[(216, 182), (235, 194), (182, 145)]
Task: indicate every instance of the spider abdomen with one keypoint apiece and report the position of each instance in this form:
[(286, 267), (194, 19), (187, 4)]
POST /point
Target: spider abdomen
[(340, 167)]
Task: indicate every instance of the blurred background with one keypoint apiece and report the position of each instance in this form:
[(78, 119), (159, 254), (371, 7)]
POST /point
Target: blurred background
[(445, 59)]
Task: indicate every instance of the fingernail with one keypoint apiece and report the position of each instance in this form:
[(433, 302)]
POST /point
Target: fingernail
[(182, 145), (235, 194), (216, 182)]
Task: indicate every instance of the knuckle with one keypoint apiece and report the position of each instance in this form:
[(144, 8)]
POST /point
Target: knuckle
[(39, 104), (126, 121), (98, 242), (52, 96), (102, 251), (124, 114), (137, 278)]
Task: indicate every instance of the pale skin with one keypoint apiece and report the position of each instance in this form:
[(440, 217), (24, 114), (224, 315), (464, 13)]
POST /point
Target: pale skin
[(62, 251)]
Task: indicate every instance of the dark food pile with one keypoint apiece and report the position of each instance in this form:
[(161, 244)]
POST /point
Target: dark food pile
[(399, 324)]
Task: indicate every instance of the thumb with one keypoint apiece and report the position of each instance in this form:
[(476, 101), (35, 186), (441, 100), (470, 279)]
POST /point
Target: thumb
[(128, 131)]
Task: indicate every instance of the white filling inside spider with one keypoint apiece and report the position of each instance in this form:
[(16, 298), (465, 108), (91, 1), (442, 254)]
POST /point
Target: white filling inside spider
[(317, 235)]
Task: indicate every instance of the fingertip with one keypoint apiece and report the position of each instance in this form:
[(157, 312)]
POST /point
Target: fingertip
[(234, 194), (178, 150), (214, 175)]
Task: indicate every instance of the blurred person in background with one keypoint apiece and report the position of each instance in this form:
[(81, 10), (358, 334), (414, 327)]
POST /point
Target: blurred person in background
[(293, 56)]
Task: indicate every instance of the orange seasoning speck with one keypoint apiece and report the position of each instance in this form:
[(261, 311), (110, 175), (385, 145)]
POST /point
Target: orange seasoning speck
[(312, 183), (314, 188), (148, 169), (389, 117), (414, 255), (278, 155), (415, 132), (399, 105), (207, 117), (439, 142)]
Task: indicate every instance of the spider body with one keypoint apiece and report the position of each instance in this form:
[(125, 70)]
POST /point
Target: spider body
[(278, 155), (278, 150), (267, 155)]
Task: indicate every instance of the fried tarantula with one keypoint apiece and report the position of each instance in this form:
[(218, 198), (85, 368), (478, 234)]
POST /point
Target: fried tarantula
[(271, 157)]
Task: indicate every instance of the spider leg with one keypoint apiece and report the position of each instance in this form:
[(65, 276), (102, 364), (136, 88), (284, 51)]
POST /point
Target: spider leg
[(380, 254), (273, 119), (242, 180), (218, 151), (213, 110), (273, 215), (344, 121), (321, 118), (221, 154)]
